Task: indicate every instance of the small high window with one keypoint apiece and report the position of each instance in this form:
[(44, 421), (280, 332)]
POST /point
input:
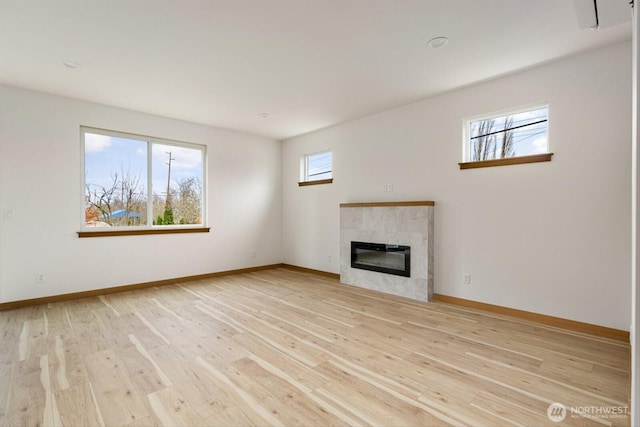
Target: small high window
[(316, 168), (518, 136)]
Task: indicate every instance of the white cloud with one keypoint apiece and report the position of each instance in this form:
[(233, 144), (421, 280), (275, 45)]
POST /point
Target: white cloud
[(183, 158), (539, 145), (95, 143)]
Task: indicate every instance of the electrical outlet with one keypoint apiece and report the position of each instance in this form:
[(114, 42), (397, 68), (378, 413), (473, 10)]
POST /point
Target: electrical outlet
[(7, 214), (329, 259), (39, 277), (466, 277)]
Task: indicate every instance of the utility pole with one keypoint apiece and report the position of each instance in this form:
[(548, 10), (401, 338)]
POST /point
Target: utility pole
[(169, 174), (168, 208)]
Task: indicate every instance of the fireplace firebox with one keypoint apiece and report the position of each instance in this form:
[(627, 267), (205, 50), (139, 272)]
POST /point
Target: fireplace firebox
[(383, 258)]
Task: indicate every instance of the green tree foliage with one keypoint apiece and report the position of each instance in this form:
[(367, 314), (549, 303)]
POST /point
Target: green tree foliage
[(167, 215)]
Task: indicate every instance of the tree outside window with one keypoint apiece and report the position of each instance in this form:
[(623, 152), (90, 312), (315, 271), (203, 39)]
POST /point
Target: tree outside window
[(512, 135)]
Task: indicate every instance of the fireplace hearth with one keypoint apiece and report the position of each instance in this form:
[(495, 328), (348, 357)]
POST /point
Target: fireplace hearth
[(388, 247), (380, 257)]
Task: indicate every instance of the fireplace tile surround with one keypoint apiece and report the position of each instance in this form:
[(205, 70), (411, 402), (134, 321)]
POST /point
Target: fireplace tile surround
[(394, 223)]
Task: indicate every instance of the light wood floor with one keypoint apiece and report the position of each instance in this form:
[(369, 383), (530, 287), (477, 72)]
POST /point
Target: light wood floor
[(280, 347)]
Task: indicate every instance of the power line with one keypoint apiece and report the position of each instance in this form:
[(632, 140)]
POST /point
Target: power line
[(508, 129)]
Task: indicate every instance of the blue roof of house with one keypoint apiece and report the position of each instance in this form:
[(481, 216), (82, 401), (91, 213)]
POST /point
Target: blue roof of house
[(123, 212)]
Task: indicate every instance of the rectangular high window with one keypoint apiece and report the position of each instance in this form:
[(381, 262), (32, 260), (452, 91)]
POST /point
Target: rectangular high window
[(316, 168), (138, 182), (518, 136)]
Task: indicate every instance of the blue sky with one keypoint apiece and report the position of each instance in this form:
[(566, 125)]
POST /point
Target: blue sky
[(527, 140), (319, 166), (106, 155)]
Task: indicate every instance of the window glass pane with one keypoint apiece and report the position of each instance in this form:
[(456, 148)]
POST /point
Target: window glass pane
[(132, 180), (115, 181), (176, 184), (518, 134), (319, 166)]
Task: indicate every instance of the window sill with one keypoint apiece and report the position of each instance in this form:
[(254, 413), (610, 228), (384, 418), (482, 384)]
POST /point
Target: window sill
[(140, 232), (318, 182), (536, 158)]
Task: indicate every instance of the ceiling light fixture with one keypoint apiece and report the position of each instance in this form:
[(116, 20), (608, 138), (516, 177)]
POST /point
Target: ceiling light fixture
[(71, 64), (438, 42), (264, 115)]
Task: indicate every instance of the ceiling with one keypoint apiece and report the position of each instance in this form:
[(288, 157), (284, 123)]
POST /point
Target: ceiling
[(308, 64)]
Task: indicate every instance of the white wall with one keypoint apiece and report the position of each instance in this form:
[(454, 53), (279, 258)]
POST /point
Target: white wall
[(40, 181), (552, 238), (635, 223)]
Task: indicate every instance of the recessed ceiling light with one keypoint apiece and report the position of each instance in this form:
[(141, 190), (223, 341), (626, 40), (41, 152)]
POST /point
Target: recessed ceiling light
[(437, 42), (71, 64), (264, 115)]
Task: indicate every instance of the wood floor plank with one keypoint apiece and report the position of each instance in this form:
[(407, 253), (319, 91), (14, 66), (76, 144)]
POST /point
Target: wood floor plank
[(511, 413), (297, 370), (284, 347), (67, 365), (257, 405), (26, 400), (57, 324), (202, 391), (5, 384), (113, 389), (89, 332), (583, 376), (170, 408), (289, 397), (143, 371), (466, 343), (229, 417), (78, 406), (373, 401)]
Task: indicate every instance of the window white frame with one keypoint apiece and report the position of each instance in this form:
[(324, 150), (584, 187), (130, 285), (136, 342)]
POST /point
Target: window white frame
[(466, 139), (149, 227), (305, 168)]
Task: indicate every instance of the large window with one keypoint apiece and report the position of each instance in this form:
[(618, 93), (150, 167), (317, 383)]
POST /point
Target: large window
[(316, 168), (132, 181), (519, 136)]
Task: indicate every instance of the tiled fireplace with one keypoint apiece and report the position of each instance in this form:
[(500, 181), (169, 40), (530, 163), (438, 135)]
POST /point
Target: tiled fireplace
[(388, 247)]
